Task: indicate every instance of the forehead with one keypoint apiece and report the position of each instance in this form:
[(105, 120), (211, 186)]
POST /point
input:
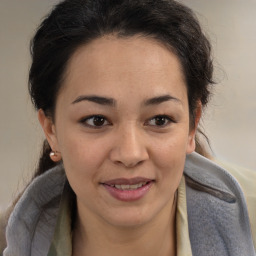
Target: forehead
[(136, 63)]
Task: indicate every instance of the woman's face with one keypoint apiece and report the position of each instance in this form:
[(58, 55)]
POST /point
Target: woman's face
[(122, 127)]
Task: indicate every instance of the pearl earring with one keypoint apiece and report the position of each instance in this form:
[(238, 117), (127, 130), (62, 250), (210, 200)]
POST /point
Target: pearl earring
[(55, 156)]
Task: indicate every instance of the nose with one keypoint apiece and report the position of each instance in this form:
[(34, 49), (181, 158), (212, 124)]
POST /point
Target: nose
[(129, 148)]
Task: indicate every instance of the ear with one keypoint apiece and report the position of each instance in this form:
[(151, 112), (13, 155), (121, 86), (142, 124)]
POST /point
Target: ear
[(192, 133), (49, 130)]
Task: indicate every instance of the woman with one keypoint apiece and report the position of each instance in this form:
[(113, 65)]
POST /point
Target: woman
[(119, 87)]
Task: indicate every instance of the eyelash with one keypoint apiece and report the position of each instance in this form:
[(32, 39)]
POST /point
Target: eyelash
[(167, 120), (85, 120)]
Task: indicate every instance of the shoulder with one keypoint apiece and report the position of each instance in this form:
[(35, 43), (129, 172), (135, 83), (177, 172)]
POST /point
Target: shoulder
[(247, 180), (222, 196), (40, 201)]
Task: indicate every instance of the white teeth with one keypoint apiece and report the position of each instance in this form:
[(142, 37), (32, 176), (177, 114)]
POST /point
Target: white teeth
[(129, 187), (125, 187), (135, 186)]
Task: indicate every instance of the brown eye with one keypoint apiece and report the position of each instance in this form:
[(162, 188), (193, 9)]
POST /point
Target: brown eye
[(160, 121), (96, 121)]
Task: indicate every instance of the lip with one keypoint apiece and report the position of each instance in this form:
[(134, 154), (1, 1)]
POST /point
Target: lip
[(128, 195)]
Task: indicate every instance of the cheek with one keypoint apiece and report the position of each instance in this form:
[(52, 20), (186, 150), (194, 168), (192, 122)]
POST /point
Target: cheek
[(82, 161), (82, 157), (169, 158), (77, 148), (171, 149)]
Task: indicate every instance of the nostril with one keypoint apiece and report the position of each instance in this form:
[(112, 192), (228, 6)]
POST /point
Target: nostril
[(130, 164), (140, 162)]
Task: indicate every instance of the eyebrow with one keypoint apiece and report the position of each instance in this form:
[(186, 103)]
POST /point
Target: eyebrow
[(96, 99), (160, 99), (111, 102)]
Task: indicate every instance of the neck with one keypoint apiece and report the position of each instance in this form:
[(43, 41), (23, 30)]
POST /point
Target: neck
[(154, 238)]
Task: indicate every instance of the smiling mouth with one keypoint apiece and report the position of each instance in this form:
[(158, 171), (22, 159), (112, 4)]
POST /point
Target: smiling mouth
[(128, 189)]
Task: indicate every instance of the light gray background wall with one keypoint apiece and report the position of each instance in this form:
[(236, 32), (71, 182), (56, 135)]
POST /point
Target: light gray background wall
[(230, 122)]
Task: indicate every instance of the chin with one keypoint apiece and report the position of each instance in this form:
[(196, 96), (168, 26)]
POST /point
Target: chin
[(130, 217)]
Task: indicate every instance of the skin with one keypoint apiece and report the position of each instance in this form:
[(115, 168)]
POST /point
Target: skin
[(128, 143)]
